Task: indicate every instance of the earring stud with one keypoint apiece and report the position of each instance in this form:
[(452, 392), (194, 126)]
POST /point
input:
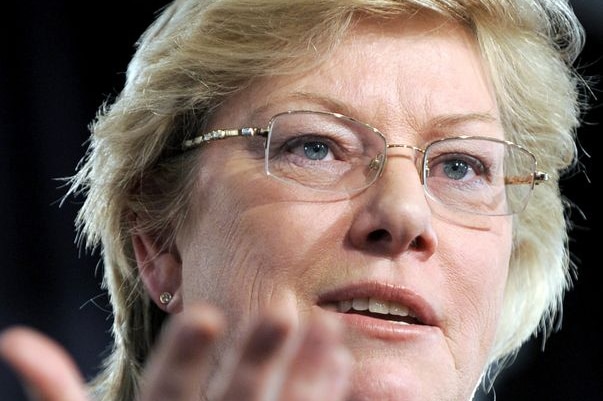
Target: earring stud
[(165, 298)]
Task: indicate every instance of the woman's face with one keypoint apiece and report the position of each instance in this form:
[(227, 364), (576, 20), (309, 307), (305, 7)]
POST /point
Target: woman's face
[(255, 241)]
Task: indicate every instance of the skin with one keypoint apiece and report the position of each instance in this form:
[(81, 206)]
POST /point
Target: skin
[(273, 331)]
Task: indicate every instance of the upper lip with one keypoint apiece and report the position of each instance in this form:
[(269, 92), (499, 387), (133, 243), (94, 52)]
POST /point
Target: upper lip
[(417, 305)]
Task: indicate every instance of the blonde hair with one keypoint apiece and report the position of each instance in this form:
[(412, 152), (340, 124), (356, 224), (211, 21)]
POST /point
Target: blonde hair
[(197, 53)]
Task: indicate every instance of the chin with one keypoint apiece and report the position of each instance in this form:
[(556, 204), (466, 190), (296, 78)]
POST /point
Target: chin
[(379, 379), (382, 380)]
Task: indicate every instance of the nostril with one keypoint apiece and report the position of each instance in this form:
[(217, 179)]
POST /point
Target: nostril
[(379, 235)]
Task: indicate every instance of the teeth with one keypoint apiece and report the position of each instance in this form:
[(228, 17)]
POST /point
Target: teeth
[(399, 310), (344, 306), (374, 305), (378, 306), (360, 304)]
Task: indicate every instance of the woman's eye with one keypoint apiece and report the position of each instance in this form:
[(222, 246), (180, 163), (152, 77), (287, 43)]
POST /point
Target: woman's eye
[(457, 167), (314, 149)]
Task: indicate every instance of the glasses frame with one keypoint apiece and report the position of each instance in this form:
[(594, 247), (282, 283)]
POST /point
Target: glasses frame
[(537, 177)]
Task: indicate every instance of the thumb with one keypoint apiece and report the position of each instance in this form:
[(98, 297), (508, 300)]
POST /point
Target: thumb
[(47, 371)]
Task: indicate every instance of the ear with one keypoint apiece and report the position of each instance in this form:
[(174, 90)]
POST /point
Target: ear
[(160, 270)]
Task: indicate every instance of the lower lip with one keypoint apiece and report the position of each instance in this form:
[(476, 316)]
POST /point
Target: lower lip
[(384, 329)]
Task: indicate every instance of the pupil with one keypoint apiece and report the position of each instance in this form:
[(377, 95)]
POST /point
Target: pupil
[(456, 169), (315, 150)]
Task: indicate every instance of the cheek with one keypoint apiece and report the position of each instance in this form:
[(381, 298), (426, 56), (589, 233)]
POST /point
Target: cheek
[(476, 277), (254, 246)]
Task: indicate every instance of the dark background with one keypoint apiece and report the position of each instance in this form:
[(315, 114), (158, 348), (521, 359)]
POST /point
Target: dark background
[(59, 60)]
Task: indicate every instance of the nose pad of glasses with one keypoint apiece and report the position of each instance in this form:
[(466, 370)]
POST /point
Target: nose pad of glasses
[(376, 165)]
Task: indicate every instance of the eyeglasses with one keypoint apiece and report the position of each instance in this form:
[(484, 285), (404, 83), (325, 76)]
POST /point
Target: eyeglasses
[(333, 153)]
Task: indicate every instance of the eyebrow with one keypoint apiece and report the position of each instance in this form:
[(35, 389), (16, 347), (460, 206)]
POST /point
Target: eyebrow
[(328, 103), (448, 120), (336, 106)]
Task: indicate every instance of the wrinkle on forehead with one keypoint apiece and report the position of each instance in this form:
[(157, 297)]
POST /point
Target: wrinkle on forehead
[(348, 81)]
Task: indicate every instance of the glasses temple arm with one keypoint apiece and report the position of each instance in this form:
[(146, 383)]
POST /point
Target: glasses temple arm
[(538, 177), (221, 134)]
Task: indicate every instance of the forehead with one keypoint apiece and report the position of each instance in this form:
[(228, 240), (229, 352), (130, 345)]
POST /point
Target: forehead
[(409, 70)]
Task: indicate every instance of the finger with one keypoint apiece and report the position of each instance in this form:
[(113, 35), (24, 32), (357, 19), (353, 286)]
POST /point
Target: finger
[(321, 365), (179, 365), (258, 372), (47, 371)]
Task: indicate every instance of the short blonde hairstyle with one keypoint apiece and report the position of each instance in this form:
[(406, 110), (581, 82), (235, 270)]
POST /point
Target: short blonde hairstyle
[(199, 52)]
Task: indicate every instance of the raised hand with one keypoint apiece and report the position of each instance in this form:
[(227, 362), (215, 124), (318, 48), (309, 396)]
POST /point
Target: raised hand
[(276, 362)]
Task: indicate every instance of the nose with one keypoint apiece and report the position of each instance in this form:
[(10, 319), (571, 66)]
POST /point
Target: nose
[(393, 215)]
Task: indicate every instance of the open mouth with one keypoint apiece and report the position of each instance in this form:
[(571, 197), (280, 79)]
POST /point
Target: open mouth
[(374, 308)]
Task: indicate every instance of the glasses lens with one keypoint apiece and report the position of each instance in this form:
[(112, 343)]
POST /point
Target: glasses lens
[(479, 175), (323, 151)]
